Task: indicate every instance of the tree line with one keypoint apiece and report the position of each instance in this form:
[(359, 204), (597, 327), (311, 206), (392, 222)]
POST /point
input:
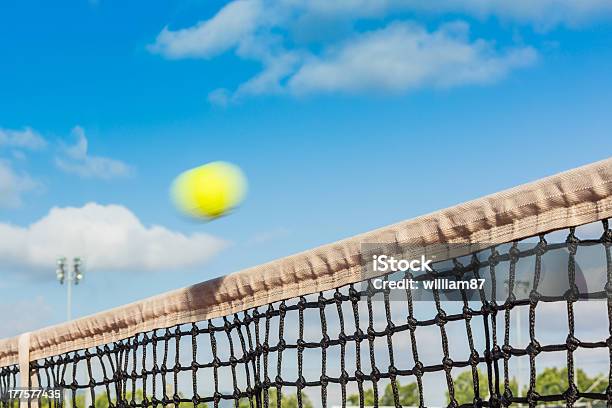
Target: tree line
[(551, 381)]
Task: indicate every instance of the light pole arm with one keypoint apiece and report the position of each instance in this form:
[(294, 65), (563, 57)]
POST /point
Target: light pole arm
[(69, 278)]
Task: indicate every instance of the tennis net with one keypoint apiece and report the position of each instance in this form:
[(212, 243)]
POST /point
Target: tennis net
[(350, 342)]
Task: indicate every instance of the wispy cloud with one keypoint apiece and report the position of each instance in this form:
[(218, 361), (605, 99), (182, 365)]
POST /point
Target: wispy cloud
[(396, 57), (109, 237), (77, 160), (404, 56), (15, 181), (225, 30), (25, 138), (13, 185)]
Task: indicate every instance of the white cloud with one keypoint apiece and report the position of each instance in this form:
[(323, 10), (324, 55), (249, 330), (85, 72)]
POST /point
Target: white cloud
[(25, 139), (220, 97), (13, 185), (269, 79), (109, 237), (225, 30), (394, 58), (76, 160), (404, 56)]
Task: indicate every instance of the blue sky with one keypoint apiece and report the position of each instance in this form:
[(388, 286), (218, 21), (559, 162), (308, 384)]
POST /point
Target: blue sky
[(344, 118)]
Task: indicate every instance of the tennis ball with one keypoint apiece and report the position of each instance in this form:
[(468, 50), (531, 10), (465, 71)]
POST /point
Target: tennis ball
[(209, 191)]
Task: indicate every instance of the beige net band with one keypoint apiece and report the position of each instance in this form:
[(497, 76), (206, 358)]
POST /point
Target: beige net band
[(571, 198)]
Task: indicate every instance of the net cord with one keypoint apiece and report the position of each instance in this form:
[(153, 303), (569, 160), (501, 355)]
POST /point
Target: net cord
[(568, 199)]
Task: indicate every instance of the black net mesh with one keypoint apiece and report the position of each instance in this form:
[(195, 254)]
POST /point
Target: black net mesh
[(353, 346)]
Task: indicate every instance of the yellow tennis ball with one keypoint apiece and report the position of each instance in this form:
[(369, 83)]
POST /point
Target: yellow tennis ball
[(209, 191)]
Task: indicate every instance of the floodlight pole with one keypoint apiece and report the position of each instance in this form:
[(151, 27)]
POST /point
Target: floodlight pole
[(69, 296), (70, 275)]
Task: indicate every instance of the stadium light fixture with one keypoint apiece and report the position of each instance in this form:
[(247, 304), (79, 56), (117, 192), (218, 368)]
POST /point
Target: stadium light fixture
[(78, 270), (60, 272), (69, 276)]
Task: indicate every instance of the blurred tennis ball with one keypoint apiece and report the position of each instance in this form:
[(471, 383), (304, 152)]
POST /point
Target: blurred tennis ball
[(209, 191)]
